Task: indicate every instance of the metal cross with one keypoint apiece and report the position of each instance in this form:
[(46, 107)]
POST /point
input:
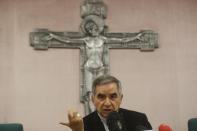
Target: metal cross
[(94, 42)]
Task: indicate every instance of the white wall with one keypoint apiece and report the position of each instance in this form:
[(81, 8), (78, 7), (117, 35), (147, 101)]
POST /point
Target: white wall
[(37, 87)]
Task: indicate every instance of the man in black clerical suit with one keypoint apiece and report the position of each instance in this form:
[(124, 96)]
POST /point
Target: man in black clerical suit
[(132, 119), (107, 97)]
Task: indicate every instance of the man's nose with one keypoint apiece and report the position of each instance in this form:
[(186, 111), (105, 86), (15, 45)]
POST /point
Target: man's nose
[(107, 102)]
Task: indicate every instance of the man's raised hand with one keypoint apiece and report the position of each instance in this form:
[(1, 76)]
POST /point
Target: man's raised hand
[(75, 121)]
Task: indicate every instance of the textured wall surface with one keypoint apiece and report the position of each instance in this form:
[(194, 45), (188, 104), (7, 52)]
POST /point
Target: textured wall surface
[(38, 87)]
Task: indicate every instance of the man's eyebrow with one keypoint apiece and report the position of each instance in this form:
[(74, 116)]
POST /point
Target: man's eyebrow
[(99, 94), (113, 93)]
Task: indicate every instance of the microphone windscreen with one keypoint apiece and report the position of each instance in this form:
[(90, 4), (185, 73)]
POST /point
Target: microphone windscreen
[(164, 127), (115, 122)]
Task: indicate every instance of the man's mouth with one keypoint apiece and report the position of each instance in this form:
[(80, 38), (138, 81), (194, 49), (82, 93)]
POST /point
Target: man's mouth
[(107, 110)]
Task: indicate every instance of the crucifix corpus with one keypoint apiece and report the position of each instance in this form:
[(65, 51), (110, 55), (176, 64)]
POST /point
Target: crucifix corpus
[(94, 42)]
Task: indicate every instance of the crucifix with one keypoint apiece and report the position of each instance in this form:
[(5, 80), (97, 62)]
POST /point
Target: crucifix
[(94, 42)]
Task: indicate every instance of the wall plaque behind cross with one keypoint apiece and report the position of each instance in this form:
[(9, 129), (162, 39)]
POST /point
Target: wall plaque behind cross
[(94, 42)]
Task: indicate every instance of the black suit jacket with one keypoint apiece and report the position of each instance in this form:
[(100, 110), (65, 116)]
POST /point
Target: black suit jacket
[(132, 119)]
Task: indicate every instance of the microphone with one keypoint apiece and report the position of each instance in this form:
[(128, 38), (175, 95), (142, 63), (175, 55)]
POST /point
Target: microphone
[(115, 122), (164, 127), (141, 128)]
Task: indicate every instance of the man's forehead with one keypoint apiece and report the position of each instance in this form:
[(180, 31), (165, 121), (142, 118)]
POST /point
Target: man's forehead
[(108, 87)]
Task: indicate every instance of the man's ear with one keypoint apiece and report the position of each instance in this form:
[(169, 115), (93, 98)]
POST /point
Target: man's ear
[(92, 98), (121, 97)]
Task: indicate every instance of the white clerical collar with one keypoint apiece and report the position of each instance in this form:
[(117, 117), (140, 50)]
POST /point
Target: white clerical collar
[(104, 121)]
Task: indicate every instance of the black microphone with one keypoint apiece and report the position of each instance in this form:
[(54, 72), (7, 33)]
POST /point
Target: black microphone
[(115, 122)]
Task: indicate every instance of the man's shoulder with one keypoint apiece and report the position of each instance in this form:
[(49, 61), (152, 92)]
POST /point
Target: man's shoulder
[(122, 111), (92, 122), (134, 118), (132, 113), (90, 116), (129, 111)]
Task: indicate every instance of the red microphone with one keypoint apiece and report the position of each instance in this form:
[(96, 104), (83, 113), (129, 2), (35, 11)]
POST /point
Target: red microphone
[(164, 127)]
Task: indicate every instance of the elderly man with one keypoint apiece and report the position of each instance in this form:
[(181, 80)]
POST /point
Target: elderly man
[(107, 97)]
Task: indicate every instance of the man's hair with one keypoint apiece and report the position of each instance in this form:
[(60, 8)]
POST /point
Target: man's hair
[(105, 79)]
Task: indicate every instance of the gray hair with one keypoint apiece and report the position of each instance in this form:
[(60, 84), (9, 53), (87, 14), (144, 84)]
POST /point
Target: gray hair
[(105, 79)]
